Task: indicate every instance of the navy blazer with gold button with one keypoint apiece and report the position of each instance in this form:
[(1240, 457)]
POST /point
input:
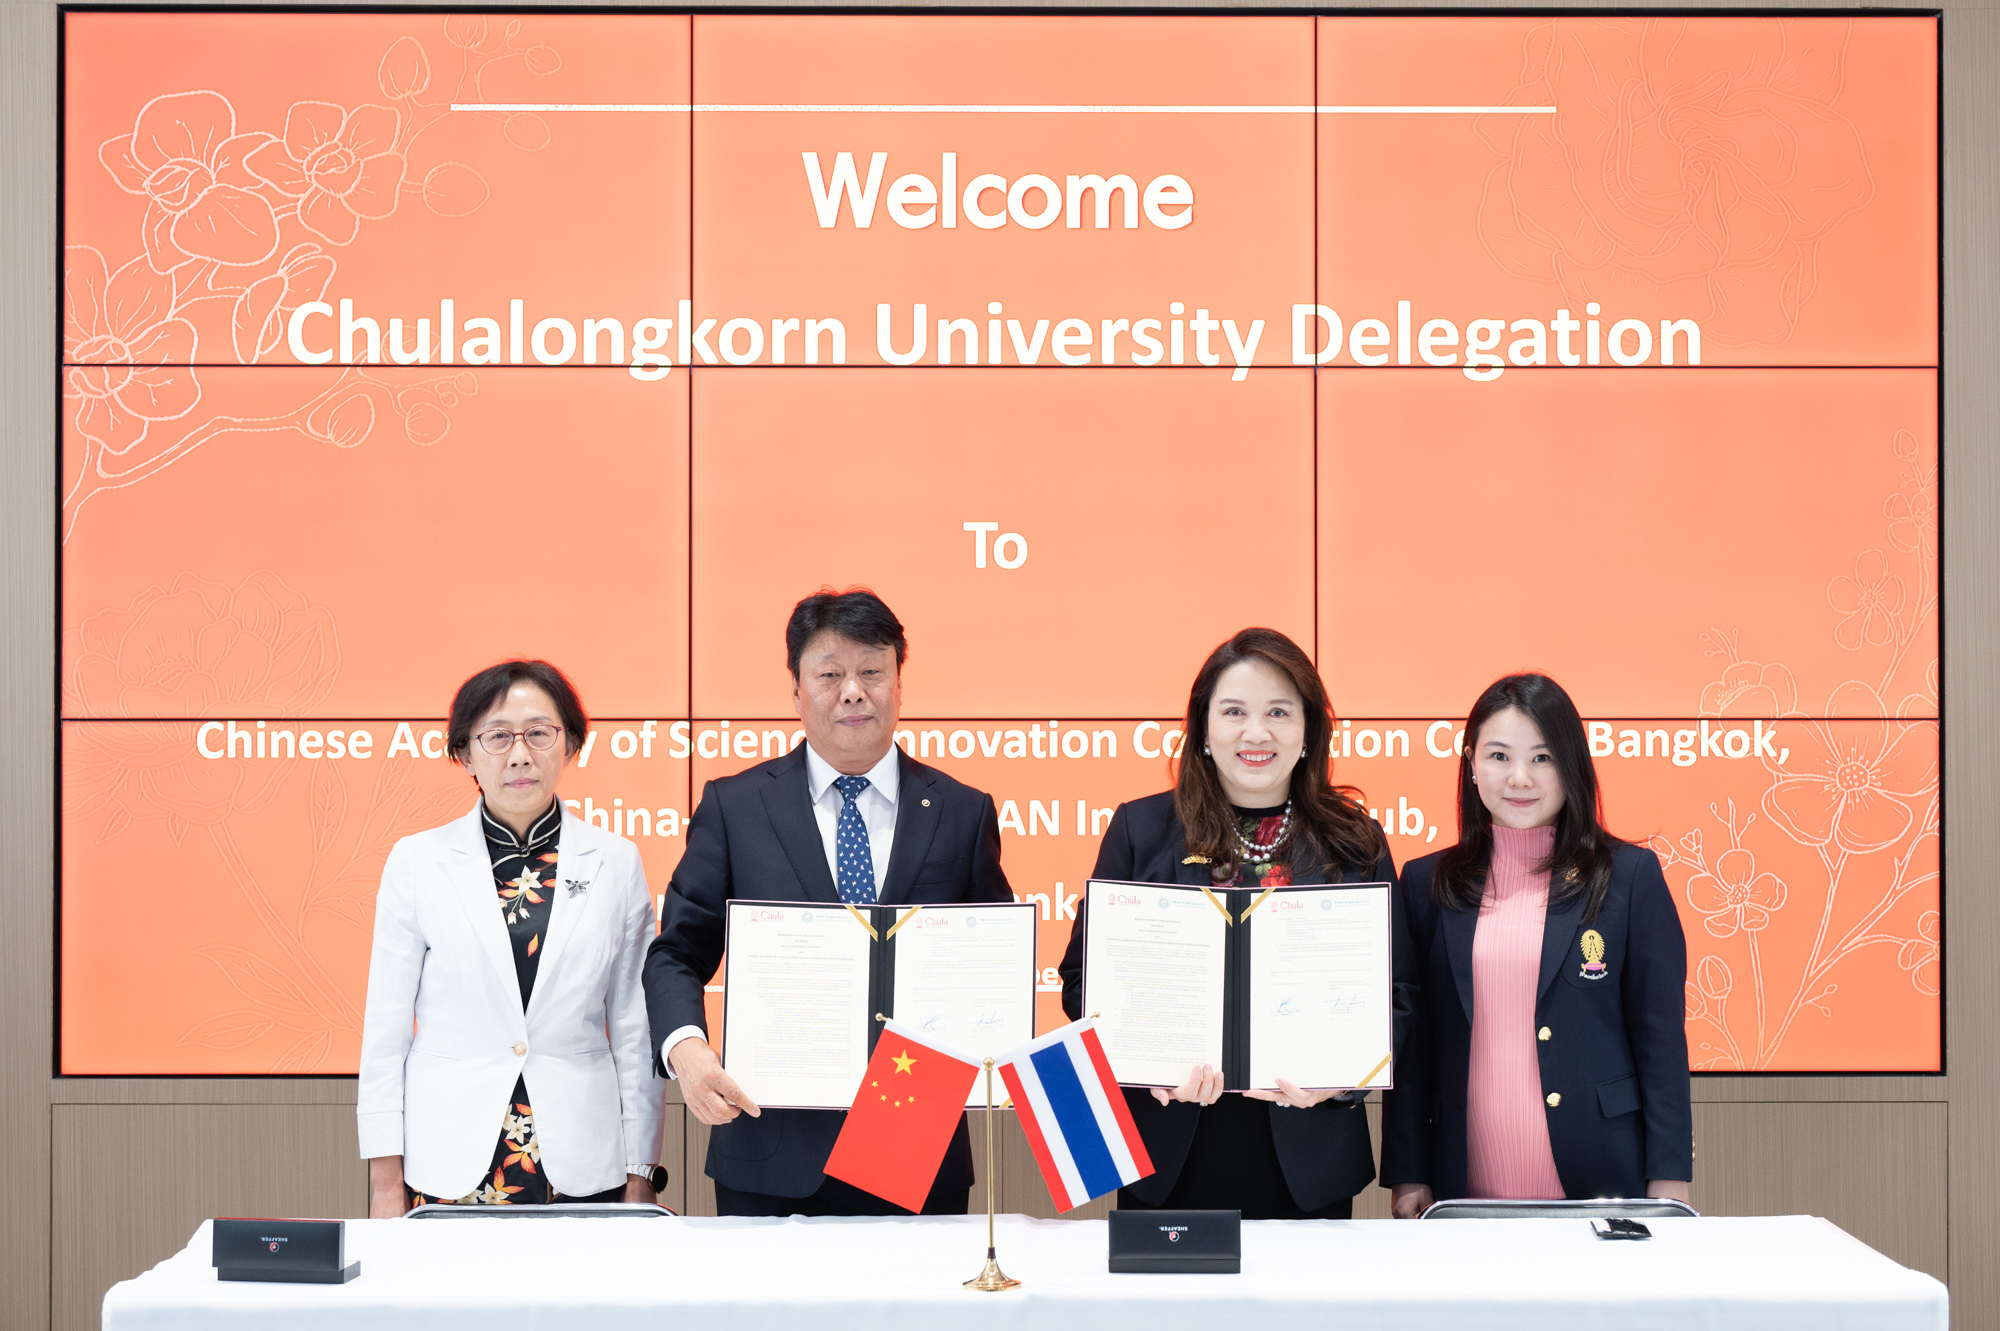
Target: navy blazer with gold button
[(1612, 1039)]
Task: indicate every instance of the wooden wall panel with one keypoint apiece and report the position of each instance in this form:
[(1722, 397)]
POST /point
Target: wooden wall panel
[(27, 645), (204, 1091), (1876, 1170), (673, 1154), (131, 1183), (700, 1194), (1971, 618)]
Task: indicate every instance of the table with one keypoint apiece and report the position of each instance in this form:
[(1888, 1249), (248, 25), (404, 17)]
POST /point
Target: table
[(1715, 1273)]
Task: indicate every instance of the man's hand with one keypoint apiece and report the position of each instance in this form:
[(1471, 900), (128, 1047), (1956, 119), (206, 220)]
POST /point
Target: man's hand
[(386, 1198), (1203, 1087), (1674, 1188), (1408, 1201), (712, 1095), (639, 1188)]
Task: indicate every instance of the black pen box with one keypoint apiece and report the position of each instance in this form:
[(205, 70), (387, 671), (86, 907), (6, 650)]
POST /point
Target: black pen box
[(306, 1252), (1209, 1242)]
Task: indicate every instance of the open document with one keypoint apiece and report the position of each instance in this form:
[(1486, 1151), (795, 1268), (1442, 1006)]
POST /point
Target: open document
[(806, 982), (1291, 982)]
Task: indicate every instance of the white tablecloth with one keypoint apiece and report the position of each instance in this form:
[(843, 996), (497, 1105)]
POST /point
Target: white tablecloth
[(1714, 1274)]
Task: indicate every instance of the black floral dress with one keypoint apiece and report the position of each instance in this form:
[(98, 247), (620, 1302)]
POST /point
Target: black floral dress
[(524, 875)]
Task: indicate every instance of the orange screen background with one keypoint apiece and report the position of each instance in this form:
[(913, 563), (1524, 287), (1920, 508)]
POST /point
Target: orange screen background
[(1732, 566)]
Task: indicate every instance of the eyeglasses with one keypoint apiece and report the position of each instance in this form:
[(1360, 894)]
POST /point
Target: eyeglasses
[(501, 742)]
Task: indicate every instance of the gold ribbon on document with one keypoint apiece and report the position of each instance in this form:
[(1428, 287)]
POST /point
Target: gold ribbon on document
[(907, 916), (1260, 901), (1373, 1073), (863, 921), (1216, 902)]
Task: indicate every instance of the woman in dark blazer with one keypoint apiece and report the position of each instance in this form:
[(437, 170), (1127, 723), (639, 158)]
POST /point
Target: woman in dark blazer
[(1546, 1056), (1253, 806)]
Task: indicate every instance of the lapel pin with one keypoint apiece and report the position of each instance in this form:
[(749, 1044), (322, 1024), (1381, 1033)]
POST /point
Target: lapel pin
[(574, 885), (1195, 859), (927, 804)]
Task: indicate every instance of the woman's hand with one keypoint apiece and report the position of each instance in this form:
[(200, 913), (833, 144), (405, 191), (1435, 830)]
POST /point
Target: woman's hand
[(386, 1198), (1672, 1188), (1408, 1201), (1203, 1087), (1288, 1094), (639, 1189)]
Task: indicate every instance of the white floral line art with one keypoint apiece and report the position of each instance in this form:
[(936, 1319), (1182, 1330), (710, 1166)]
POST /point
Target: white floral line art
[(1681, 174), (197, 649), (221, 203), (1847, 797), (298, 994)]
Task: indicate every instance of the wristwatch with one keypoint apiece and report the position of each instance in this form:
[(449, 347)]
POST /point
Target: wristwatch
[(655, 1176)]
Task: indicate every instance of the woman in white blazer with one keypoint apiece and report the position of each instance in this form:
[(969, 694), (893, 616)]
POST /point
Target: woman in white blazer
[(511, 940)]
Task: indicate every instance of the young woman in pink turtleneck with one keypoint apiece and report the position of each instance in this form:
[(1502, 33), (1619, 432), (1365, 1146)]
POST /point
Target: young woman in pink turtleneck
[(1547, 1054)]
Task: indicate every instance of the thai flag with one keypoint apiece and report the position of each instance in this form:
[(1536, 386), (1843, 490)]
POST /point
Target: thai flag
[(1075, 1115)]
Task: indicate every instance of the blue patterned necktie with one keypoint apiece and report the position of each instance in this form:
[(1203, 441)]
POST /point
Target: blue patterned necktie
[(850, 841)]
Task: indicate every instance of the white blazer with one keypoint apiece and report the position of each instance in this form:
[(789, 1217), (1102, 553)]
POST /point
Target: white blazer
[(443, 961)]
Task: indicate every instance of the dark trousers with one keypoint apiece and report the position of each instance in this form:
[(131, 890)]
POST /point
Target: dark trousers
[(834, 1198)]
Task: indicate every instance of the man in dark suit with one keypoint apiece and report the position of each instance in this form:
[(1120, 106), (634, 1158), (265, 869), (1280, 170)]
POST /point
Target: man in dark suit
[(846, 817)]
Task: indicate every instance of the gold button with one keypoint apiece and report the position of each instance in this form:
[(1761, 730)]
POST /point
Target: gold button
[(1543, 1033), (1554, 1099), (519, 1049)]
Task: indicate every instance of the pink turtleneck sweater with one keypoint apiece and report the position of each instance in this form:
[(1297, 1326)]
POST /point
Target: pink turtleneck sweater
[(1506, 1121)]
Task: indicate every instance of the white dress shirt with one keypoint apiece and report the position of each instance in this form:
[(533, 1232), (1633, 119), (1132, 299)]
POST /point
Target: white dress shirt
[(877, 806)]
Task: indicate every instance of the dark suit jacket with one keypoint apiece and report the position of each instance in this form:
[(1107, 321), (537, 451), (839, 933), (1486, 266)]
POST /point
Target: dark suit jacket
[(1616, 1053), (754, 836), (1324, 1151)]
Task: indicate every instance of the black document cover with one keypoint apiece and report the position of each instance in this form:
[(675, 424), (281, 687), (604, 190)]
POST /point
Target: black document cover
[(809, 983), (1237, 918)]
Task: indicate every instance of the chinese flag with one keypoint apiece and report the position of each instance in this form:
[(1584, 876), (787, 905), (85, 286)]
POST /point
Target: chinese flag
[(902, 1119)]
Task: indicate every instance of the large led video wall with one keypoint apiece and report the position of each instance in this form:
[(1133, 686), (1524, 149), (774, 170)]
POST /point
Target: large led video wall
[(398, 343)]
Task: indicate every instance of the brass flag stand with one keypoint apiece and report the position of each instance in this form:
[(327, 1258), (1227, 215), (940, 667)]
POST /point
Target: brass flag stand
[(990, 1277)]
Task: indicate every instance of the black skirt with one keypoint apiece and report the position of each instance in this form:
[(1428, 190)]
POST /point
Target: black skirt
[(1232, 1165)]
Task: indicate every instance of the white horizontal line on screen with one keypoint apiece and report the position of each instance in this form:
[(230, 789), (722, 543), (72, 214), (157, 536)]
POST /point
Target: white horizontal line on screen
[(996, 109)]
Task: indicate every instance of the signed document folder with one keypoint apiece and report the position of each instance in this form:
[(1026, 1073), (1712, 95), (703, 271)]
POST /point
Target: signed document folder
[(806, 982), (1291, 982)]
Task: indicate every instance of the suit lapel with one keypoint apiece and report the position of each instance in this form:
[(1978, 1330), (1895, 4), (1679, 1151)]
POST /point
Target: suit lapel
[(788, 801), (1458, 927), (472, 879), (1558, 929), (579, 855), (916, 827)]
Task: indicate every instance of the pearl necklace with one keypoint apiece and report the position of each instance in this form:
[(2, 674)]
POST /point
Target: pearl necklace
[(1259, 852)]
